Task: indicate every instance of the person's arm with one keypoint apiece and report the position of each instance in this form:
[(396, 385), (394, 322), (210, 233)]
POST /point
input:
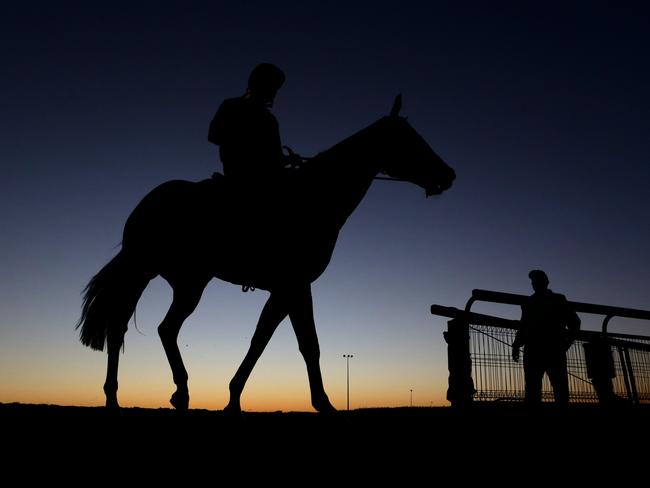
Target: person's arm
[(217, 126), (572, 323), (519, 336), (273, 143)]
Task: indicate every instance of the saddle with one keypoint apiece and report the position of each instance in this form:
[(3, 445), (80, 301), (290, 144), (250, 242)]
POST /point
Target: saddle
[(268, 197), (251, 221)]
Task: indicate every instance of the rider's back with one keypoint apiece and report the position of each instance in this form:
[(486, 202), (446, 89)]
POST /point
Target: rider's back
[(248, 137)]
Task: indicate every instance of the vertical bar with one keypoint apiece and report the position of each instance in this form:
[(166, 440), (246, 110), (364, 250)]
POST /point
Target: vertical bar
[(628, 388), (630, 372)]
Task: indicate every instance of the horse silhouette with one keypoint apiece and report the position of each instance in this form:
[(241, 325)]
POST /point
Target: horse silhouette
[(280, 240)]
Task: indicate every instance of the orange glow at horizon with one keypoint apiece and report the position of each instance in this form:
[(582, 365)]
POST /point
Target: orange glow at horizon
[(40, 377), (150, 393)]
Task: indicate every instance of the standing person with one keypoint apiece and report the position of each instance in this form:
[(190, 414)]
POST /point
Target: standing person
[(548, 328)]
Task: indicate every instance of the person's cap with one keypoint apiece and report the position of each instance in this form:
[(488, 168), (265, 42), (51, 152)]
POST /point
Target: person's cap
[(266, 76), (538, 275)]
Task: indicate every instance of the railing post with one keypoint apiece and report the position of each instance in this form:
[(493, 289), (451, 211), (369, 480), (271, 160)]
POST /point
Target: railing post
[(461, 386), (600, 368)]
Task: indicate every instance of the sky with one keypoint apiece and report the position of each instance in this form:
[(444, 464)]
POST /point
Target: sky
[(542, 108)]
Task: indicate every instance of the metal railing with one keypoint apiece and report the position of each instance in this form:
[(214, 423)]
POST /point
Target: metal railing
[(601, 366)]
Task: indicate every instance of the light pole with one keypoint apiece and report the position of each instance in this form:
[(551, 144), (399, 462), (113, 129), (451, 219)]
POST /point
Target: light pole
[(347, 360), (411, 397)]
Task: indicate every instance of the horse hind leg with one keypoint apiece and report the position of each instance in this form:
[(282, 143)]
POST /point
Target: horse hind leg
[(186, 297), (274, 312), (122, 305), (114, 340)]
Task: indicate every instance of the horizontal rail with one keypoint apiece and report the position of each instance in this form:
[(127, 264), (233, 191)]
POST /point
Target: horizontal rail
[(491, 321), (474, 318), (513, 299)]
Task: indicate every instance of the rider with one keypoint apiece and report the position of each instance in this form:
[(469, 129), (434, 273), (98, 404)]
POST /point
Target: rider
[(248, 134)]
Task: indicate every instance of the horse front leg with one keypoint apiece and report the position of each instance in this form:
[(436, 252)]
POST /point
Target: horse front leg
[(301, 314), (274, 312)]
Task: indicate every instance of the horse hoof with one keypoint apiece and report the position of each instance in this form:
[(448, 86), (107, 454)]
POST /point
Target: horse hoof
[(234, 414), (113, 409), (325, 408), (180, 401), (232, 409), (111, 402)]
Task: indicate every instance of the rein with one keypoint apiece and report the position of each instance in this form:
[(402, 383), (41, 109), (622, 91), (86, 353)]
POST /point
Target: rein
[(387, 178), (303, 159)]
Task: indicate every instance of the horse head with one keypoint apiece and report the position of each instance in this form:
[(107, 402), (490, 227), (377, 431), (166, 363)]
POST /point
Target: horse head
[(410, 158)]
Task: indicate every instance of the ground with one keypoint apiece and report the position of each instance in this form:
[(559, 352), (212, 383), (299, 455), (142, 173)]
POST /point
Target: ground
[(484, 440)]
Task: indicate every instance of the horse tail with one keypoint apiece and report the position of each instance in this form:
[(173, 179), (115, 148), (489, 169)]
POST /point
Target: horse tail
[(109, 300)]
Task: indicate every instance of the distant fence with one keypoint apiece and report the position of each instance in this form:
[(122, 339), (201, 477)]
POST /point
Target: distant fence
[(601, 366)]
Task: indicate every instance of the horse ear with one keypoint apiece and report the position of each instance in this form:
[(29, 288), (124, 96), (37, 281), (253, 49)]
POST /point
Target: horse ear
[(397, 106)]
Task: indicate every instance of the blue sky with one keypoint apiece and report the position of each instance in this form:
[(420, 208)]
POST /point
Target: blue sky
[(542, 109)]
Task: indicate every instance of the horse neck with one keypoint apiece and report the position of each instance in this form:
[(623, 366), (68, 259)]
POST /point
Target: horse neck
[(350, 168)]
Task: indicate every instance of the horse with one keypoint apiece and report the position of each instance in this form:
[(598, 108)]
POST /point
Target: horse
[(279, 238)]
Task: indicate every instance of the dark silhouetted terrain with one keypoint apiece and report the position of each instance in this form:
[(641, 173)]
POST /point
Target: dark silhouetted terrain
[(488, 440)]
